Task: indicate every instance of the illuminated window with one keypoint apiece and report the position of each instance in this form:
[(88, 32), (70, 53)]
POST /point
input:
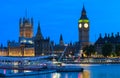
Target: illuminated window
[(28, 35), (30, 41), (24, 41)]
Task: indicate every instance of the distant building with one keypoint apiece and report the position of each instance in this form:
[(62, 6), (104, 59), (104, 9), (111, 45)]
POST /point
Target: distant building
[(25, 46), (26, 31), (28, 45), (61, 42), (113, 39), (3, 50), (67, 51), (41, 45), (59, 48), (83, 29)]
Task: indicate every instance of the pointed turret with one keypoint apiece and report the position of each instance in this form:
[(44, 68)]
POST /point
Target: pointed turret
[(39, 34), (83, 14), (41, 45), (83, 11), (61, 40), (105, 35), (83, 17)]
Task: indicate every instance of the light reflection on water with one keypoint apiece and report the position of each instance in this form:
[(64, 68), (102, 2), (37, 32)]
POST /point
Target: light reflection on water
[(56, 75), (91, 71), (84, 74), (49, 75), (103, 70)]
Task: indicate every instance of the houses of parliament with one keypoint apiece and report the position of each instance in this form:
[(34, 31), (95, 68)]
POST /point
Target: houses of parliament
[(30, 45)]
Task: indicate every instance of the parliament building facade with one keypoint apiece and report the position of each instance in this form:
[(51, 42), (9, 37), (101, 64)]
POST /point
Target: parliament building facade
[(30, 45)]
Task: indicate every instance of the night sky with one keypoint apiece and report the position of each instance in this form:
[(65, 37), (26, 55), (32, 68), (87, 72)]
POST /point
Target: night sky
[(59, 17)]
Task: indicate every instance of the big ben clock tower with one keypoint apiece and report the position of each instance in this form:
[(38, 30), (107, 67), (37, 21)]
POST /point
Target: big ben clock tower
[(83, 28)]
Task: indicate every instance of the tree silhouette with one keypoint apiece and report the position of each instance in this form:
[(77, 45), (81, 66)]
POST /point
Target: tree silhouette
[(107, 49), (85, 50), (117, 50), (88, 50)]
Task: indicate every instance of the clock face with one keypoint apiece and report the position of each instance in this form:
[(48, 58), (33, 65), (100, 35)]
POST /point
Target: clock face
[(86, 25), (80, 25)]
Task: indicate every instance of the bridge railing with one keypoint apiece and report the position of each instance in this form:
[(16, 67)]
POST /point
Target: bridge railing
[(95, 61)]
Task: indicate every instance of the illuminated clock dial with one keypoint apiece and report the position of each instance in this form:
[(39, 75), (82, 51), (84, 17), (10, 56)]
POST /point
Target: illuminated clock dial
[(86, 25), (80, 25)]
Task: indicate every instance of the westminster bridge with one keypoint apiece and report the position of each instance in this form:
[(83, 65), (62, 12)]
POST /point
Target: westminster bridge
[(94, 61)]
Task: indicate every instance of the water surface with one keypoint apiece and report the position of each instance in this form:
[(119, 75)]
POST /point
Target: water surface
[(90, 71)]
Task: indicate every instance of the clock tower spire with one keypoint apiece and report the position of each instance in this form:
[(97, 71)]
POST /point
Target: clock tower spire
[(83, 28)]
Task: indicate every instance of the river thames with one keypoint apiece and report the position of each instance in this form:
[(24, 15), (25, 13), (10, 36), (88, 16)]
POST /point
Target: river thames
[(90, 71)]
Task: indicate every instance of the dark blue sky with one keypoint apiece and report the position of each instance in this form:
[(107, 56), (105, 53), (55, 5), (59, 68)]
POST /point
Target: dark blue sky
[(59, 17)]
